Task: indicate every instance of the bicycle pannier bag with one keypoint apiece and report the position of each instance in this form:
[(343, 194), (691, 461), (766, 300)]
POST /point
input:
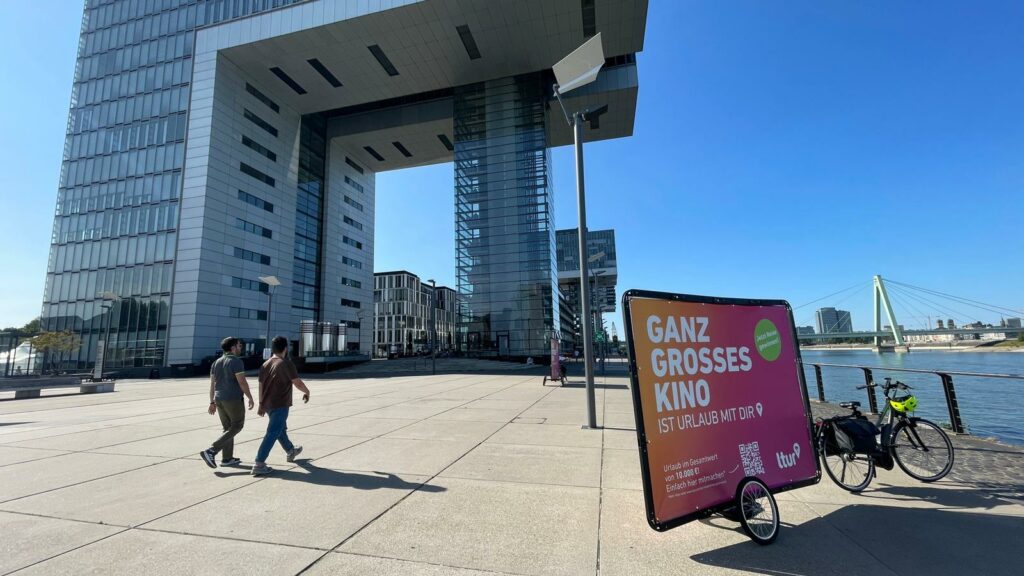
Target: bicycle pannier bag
[(855, 435)]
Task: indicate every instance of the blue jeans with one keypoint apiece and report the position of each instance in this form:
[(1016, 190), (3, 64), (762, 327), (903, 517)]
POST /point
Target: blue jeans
[(277, 431)]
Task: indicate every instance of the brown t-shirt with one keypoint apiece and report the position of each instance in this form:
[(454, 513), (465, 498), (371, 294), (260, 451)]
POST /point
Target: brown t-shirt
[(276, 375)]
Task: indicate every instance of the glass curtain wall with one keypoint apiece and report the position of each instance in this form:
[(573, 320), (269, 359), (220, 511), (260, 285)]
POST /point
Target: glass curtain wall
[(504, 219), (309, 203), (114, 231)]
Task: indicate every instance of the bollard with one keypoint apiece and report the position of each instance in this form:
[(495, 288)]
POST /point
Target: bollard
[(954, 408), (872, 400), (821, 386)]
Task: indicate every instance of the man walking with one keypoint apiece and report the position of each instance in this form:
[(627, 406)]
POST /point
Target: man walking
[(227, 386), (277, 376)]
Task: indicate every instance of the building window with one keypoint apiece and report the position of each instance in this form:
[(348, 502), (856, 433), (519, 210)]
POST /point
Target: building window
[(254, 228), (354, 184), (350, 262), (259, 122), (354, 166), (353, 223), (351, 282), (249, 170), (351, 303), (246, 284), (251, 256), (353, 203), (259, 148), (247, 313), (262, 97), (355, 243), (257, 202)]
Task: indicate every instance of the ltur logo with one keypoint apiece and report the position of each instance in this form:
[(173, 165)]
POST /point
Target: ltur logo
[(788, 460)]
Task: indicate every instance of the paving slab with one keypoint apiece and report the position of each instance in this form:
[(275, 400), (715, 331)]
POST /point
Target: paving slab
[(484, 525), (14, 455), (621, 469), (478, 415), (135, 552), (547, 435), (398, 455), (359, 426), (342, 564), (134, 497), (31, 539), (458, 431), (96, 438), (304, 506), (314, 447), (37, 476), (560, 465)]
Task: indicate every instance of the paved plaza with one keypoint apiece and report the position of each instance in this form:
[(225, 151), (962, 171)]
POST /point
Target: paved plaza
[(455, 474)]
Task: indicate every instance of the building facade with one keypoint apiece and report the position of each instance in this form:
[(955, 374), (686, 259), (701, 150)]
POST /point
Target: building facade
[(212, 143), (831, 320), (410, 315), (602, 268)]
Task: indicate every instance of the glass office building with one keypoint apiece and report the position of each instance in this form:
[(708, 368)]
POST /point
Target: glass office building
[(214, 142)]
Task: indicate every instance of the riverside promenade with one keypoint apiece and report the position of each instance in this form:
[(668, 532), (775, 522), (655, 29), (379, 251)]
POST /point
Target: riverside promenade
[(455, 474)]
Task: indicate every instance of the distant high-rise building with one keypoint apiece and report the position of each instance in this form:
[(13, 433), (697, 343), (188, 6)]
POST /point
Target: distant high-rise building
[(403, 320), (831, 321), (602, 269), (804, 330), (951, 324), (1013, 323), (939, 324)]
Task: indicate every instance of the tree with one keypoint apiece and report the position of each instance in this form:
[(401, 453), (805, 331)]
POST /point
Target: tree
[(56, 344)]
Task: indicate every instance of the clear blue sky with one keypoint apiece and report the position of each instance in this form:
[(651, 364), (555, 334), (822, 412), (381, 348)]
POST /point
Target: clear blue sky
[(781, 149)]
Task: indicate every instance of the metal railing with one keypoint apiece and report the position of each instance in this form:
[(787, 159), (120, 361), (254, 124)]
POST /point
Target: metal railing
[(956, 422)]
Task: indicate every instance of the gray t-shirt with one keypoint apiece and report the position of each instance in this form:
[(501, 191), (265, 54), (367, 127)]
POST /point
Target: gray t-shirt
[(225, 385)]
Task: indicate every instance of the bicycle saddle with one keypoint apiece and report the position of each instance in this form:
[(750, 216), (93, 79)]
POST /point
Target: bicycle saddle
[(849, 404)]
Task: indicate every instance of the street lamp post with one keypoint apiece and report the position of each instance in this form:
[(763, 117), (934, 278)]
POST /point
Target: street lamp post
[(578, 69), (433, 327), (272, 282)]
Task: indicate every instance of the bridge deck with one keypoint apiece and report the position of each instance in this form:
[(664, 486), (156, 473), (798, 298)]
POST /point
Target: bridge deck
[(457, 474)]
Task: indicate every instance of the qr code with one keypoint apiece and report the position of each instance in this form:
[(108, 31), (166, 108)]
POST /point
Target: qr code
[(750, 454)]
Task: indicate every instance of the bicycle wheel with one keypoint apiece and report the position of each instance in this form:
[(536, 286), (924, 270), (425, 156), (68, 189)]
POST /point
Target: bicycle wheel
[(759, 514), (922, 449), (849, 470)]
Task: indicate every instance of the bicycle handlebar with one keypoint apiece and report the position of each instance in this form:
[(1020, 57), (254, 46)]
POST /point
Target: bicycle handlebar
[(887, 386)]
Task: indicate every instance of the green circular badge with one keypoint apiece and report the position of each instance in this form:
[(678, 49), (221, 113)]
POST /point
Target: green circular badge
[(767, 340)]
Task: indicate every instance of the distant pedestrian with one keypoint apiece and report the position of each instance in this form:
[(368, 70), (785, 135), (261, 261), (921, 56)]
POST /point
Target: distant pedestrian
[(277, 376), (227, 387)]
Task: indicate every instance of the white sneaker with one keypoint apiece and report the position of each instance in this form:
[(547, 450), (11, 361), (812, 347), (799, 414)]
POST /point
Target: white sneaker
[(295, 451), (261, 469)]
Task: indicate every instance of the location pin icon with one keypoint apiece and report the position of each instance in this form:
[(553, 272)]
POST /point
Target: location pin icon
[(796, 449), (759, 408)]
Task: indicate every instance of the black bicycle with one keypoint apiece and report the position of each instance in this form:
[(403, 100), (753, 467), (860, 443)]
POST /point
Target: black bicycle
[(851, 446)]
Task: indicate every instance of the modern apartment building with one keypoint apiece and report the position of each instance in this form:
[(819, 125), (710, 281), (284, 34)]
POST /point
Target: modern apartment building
[(215, 147), (831, 320), (602, 269), (411, 316)]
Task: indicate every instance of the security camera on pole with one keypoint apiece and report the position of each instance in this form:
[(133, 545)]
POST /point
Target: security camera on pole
[(580, 68)]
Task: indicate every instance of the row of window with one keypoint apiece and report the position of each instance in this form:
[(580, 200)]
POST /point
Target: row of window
[(255, 201), (253, 228), (259, 148), (306, 249), (124, 281), (131, 164), (133, 33), (350, 282), (255, 119), (114, 223), (354, 184), (353, 203), (128, 57), (352, 242), (262, 97), (155, 132), (351, 262), (353, 223), (250, 171), (118, 193), (351, 303), (174, 16), (251, 256), (247, 313), (113, 252), (130, 109), (353, 164), (247, 284), (132, 83)]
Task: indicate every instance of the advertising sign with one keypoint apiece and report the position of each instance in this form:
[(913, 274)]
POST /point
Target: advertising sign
[(719, 396), (556, 369)]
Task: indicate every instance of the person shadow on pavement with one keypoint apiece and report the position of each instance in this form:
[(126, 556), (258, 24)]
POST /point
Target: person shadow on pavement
[(310, 473)]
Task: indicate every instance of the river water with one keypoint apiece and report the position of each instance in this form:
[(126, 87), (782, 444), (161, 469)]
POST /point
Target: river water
[(989, 407)]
